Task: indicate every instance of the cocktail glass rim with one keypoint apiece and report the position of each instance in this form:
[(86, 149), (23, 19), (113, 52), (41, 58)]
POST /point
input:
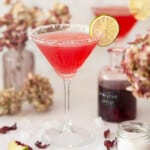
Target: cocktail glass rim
[(34, 35)]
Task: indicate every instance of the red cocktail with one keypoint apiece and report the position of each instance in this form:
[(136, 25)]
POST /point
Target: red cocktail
[(125, 19), (66, 55), (66, 47)]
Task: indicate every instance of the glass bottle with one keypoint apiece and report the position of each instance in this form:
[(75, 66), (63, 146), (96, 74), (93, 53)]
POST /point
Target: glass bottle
[(115, 103), (16, 65), (133, 135)]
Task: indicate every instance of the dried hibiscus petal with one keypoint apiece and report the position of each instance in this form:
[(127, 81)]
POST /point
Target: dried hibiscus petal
[(41, 145), (22, 144), (5, 129), (106, 133), (109, 144)]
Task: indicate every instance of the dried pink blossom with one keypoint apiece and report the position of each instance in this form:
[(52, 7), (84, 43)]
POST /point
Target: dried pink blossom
[(20, 18), (136, 65)]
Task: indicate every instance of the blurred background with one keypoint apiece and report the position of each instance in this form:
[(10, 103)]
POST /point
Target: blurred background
[(84, 86), (86, 79)]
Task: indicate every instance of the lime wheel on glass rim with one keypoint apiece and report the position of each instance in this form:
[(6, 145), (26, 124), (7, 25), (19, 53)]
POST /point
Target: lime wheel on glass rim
[(104, 27)]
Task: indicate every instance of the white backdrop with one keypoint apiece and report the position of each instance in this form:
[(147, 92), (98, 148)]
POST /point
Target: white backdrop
[(84, 85)]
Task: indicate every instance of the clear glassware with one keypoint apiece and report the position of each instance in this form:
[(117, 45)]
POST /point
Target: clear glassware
[(66, 47), (119, 10), (133, 135), (16, 65), (115, 103)]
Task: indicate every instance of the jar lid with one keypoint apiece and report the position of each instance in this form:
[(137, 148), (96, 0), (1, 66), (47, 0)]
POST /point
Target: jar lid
[(133, 129)]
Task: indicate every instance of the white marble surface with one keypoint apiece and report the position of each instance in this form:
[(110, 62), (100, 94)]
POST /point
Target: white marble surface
[(83, 87), (83, 105)]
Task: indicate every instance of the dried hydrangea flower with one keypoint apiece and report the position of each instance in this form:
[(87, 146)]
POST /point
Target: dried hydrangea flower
[(136, 65), (10, 101), (20, 18), (38, 91)]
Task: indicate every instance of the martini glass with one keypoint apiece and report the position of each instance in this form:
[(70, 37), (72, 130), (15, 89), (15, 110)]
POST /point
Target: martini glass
[(125, 19), (66, 47)]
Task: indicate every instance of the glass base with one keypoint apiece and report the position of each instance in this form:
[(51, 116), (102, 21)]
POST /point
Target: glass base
[(68, 137)]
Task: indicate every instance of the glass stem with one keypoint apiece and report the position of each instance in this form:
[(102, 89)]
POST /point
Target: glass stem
[(68, 123), (67, 95)]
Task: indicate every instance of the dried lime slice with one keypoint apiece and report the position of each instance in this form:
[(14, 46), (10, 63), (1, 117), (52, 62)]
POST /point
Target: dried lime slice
[(140, 8), (104, 27)]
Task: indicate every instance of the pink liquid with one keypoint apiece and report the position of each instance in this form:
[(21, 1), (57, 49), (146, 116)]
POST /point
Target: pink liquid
[(125, 19), (66, 57)]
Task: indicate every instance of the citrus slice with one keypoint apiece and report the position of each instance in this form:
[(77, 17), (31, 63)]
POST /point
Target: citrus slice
[(104, 27), (140, 8), (14, 146)]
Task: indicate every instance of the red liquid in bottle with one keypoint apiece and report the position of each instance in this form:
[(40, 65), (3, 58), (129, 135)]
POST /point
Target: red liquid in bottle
[(115, 103)]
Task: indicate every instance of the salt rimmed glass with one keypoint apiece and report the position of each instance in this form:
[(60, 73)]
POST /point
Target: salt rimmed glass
[(66, 47)]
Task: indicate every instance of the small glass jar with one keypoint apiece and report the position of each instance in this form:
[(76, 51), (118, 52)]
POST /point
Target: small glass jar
[(115, 103), (133, 135)]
